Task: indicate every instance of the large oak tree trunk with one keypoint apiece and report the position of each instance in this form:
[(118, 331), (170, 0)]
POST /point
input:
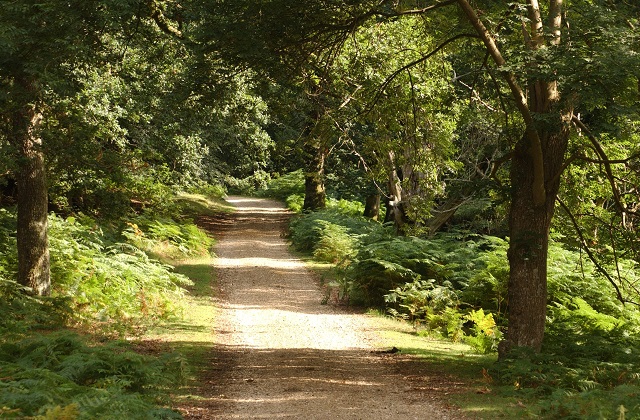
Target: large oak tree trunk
[(32, 235), (535, 176)]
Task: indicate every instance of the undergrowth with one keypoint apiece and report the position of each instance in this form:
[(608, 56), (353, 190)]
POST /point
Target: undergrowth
[(58, 356), (60, 376), (454, 285), (285, 186)]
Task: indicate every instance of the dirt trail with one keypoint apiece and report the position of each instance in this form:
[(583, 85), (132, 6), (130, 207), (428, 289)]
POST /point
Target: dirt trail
[(280, 353)]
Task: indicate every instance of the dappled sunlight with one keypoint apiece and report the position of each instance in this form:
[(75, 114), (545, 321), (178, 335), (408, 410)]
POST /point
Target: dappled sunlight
[(274, 399), (256, 243), (279, 351), (257, 207), (268, 328), (258, 210), (316, 384), (288, 264), (341, 382)]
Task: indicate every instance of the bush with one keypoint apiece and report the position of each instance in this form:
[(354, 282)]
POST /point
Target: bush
[(346, 207), (249, 185), (295, 202), (165, 236), (384, 265), (335, 244)]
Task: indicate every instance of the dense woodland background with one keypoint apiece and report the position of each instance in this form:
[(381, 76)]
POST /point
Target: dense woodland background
[(469, 166)]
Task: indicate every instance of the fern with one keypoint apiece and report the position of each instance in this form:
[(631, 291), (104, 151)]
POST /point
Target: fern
[(58, 374)]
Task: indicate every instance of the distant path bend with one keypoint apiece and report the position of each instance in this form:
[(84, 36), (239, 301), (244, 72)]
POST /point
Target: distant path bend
[(281, 353)]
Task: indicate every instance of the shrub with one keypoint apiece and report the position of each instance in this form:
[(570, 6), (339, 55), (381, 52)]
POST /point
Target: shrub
[(485, 334), (167, 237), (346, 207), (295, 202), (307, 229), (258, 181), (384, 265), (335, 244)]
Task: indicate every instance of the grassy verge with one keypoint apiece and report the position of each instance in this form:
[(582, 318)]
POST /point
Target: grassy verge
[(191, 334), (469, 374)]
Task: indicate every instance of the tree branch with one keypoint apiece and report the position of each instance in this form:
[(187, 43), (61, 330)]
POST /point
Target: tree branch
[(414, 63), (416, 11), (161, 20), (605, 161), (592, 257), (535, 145)]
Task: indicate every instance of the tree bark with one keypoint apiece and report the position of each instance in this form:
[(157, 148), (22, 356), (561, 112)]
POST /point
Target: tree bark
[(395, 212), (537, 162), (314, 191), (32, 232), (529, 242), (372, 207)]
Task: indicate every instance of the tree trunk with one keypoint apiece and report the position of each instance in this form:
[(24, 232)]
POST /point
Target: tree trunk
[(529, 242), (372, 207), (535, 178), (395, 212), (314, 192), (443, 214), (32, 235)]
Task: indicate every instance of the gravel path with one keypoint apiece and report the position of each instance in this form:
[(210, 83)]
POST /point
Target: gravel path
[(280, 353)]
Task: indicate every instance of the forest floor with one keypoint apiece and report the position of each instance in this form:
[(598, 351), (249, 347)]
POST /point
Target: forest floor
[(280, 351)]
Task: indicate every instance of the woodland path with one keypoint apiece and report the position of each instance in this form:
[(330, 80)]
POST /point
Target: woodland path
[(280, 353)]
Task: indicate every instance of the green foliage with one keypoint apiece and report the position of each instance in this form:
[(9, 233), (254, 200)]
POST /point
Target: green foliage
[(249, 185), (485, 334), (60, 373), (108, 285), (284, 186), (588, 367), (109, 280), (295, 202), (335, 244), (384, 265), (307, 230), (165, 236), (99, 278), (347, 207), (21, 313), (437, 310)]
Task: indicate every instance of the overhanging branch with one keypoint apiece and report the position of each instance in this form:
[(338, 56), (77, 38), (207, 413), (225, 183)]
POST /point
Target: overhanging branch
[(412, 64), (592, 257), (605, 161), (535, 145)]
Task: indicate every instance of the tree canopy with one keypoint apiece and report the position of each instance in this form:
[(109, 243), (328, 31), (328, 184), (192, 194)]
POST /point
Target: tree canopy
[(519, 120)]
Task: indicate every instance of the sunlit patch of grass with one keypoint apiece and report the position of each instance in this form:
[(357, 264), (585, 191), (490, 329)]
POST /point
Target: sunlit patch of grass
[(201, 205), (196, 324), (479, 397)]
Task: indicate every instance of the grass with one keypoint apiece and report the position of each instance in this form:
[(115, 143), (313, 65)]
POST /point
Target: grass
[(191, 335), (469, 374), (200, 205)]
